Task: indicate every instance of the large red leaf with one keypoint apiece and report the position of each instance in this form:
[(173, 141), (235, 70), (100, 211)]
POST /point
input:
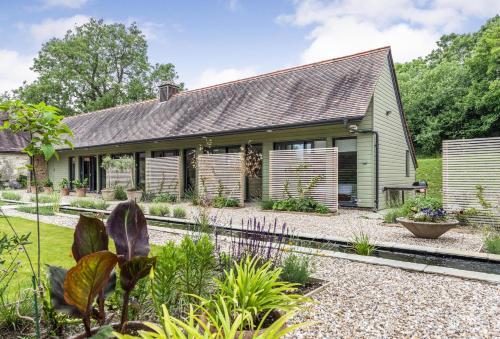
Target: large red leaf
[(128, 228), (90, 236), (84, 281)]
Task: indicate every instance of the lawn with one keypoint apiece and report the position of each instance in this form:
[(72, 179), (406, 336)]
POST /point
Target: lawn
[(55, 249), (430, 170)]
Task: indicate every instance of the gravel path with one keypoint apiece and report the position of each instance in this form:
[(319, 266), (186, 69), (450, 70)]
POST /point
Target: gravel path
[(344, 224), (367, 301)]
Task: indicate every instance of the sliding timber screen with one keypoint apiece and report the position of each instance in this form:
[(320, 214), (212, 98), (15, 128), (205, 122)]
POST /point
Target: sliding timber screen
[(162, 175)]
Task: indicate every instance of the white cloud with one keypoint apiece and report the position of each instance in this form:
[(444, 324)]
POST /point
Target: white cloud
[(14, 69), (341, 27), (64, 3), (56, 28), (212, 76)]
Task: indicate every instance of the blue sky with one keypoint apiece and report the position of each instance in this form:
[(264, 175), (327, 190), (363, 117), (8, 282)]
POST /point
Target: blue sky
[(213, 41)]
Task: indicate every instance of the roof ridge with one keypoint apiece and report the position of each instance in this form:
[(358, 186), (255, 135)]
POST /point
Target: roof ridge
[(110, 108), (286, 70)]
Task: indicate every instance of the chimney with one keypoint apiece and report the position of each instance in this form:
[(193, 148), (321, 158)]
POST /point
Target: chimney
[(167, 89)]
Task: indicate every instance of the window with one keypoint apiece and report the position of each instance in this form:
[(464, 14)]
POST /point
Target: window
[(72, 171), (347, 171), (407, 163), (300, 144), (140, 170), (163, 154), (223, 149)]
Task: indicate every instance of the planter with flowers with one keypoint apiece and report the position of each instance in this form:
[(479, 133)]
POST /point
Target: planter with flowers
[(429, 223), (64, 187), (81, 187)]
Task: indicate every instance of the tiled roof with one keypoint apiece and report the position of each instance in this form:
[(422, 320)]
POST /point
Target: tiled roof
[(10, 142), (321, 92)]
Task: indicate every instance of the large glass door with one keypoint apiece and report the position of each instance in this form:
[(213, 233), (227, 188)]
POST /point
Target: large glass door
[(189, 170), (88, 170), (348, 171)]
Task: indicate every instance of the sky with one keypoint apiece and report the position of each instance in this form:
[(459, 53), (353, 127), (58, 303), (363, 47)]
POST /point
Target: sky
[(214, 41)]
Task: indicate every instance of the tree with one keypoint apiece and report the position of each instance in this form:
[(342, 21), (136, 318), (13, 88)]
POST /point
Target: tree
[(454, 92), (95, 66)]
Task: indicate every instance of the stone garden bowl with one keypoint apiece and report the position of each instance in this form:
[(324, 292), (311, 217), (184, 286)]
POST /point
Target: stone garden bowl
[(427, 230)]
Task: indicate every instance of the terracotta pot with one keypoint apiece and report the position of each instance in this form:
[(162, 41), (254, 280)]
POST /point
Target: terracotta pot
[(48, 190), (427, 230), (107, 194), (134, 195), (81, 192), (64, 191), (130, 327)]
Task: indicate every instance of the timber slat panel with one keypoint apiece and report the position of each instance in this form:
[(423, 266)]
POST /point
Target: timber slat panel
[(283, 165), (466, 164), (162, 175)]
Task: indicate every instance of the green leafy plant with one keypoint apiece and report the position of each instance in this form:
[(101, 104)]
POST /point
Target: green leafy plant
[(221, 202), (179, 213), (360, 244), (164, 197), (392, 214), (91, 276), (297, 268), (48, 183), (42, 210), (202, 323), (253, 289), (160, 210), (300, 205), (47, 198), (11, 196), (120, 193), (92, 204), (81, 183), (491, 241), (64, 183), (266, 204)]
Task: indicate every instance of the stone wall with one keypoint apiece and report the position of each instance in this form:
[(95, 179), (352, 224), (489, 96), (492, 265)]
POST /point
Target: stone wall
[(12, 165), (41, 168)]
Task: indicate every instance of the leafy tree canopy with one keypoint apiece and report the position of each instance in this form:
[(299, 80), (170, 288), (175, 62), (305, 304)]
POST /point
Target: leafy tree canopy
[(95, 66), (454, 92)]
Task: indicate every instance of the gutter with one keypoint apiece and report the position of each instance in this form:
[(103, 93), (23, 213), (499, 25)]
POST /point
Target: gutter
[(222, 133)]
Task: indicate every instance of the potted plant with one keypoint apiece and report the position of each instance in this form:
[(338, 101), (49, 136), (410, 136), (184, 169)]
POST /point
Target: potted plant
[(64, 187), (48, 186), (81, 187), (108, 193), (428, 222)]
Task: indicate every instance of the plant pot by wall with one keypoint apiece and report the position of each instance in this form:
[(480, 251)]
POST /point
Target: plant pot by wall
[(107, 194), (81, 192), (48, 190), (64, 191), (134, 195), (427, 230)]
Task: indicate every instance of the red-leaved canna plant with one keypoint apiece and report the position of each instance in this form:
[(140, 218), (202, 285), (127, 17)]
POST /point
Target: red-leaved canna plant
[(93, 278)]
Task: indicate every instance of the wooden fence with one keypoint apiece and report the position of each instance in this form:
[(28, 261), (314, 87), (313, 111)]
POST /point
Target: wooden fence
[(296, 169), (222, 171), (468, 166), (163, 175), (117, 178)]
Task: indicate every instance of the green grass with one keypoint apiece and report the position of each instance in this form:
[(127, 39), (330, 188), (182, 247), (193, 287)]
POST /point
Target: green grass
[(92, 204), (11, 196), (43, 210), (55, 248), (47, 198), (430, 170)]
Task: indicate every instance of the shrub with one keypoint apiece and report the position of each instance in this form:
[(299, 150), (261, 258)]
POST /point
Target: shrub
[(11, 196), (43, 210), (491, 242), (164, 197), (92, 204), (254, 289), (120, 193), (160, 210), (221, 202), (392, 214), (179, 213), (48, 183), (300, 205), (418, 203), (266, 204), (183, 270), (297, 269), (360, 243), (23, 180), (46, 198)]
